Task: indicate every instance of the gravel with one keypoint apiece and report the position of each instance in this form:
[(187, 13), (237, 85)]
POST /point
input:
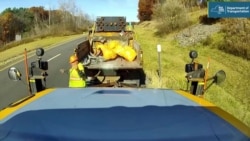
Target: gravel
[(196, 33)]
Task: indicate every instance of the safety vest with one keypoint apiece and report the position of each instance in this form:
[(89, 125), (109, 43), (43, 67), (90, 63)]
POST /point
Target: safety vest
[(75, 81)]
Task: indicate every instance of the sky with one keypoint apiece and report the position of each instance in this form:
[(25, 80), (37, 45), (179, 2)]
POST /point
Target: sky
[(93, 8)]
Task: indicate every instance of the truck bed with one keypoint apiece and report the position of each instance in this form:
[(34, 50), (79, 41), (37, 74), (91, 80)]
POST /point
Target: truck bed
[(97, 62), (118, 63)]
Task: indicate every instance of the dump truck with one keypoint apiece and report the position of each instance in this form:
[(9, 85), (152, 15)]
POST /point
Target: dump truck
[(97, 113), (111, 50)]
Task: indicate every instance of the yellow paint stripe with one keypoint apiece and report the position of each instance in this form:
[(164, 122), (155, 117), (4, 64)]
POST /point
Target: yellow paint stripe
[(218, 111), (6, 112)]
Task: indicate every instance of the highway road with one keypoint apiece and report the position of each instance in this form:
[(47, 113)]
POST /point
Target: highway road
[(57, 57)]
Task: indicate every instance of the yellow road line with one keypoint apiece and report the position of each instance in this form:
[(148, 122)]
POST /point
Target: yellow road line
[(218, 111)]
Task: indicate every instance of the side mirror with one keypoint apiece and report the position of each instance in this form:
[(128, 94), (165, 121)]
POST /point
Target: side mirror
[(219, 77), (193, 54), (14, 74), (40, 52)]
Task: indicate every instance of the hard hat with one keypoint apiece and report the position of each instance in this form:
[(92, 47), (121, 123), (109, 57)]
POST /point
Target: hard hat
[(73, 58)]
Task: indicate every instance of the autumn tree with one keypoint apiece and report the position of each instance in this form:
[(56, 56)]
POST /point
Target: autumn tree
[(40, 14), (145, 10), (14, 21), (1, 32), (9, 26)]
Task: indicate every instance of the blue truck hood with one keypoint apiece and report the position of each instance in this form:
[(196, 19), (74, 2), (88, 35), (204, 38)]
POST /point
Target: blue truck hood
[(112, 114)]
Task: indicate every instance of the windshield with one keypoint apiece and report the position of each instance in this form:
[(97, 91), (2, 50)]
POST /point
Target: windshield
[(198, 47)]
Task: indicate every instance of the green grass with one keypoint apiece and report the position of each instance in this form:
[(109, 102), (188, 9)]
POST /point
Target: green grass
[(232, 95)]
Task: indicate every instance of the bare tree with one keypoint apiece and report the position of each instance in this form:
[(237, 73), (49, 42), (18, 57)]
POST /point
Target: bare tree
[(69, 10)]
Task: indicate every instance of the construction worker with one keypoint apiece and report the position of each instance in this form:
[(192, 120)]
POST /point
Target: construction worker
[(76, 73)]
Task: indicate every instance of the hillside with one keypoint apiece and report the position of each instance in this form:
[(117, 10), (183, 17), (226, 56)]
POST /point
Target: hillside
[(232, 95)]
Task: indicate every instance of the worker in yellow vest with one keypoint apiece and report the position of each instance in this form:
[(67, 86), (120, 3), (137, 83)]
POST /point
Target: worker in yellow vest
[(76, 73)]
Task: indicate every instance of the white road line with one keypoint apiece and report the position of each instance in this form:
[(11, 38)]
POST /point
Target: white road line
[(53, 57)]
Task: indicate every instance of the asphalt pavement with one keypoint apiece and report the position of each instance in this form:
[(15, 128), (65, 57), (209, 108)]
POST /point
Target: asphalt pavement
[(57, 57)]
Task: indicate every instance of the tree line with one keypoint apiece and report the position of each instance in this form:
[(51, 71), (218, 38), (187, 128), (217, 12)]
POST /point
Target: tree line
[(37, 21), (69, 19)]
